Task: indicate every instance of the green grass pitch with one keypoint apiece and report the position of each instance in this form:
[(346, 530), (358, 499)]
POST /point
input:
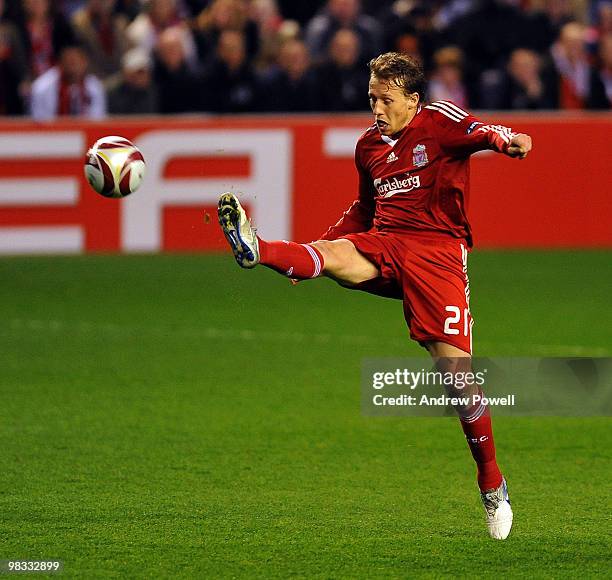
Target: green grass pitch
[(174, 416)]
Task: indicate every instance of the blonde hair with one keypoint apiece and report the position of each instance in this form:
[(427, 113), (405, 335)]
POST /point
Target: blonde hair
[(402, 70)]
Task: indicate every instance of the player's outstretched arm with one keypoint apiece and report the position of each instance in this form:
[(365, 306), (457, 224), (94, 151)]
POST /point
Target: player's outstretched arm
[(519, 146), (460, 133)]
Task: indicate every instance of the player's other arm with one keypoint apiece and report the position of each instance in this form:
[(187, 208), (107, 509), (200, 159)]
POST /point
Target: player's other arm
[(360, 214), (461, 133)]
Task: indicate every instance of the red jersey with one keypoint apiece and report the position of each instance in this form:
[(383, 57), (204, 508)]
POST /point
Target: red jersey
[(417, 181)]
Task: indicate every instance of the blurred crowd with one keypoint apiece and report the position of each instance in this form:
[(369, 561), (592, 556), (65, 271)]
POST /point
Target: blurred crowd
[(102, 57)]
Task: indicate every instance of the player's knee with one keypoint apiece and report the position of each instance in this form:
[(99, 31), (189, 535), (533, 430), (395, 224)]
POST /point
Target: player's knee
[(336, 254), (344, 263), (451, 361)]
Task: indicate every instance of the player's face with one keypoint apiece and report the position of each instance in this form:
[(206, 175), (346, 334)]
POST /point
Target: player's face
[(392, 108)]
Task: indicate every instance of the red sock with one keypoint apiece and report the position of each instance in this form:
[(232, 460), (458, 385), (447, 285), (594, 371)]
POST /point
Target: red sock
[(478, 431), (300, 261)]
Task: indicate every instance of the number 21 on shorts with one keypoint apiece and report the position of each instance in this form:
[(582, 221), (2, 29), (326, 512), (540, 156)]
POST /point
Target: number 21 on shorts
[(458, 321)]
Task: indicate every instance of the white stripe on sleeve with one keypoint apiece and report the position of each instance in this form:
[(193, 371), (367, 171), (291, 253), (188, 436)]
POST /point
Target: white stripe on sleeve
[(447, 112)]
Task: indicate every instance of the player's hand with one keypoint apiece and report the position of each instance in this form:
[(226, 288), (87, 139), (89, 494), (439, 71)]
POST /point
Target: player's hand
[(519, 146), (294, 281)]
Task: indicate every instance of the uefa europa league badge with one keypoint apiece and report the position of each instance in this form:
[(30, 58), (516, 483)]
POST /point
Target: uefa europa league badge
[(419, 156)]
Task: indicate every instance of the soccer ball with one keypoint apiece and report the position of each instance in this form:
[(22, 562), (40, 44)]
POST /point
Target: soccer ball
[(114, 167)]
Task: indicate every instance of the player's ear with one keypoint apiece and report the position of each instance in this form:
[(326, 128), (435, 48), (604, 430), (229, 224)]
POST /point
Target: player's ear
[(413, 100)]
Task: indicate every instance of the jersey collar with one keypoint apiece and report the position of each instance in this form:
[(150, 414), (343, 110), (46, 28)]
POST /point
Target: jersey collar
[(391, 141)]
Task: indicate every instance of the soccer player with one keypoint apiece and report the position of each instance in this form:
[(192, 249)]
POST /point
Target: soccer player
[(407, 235)]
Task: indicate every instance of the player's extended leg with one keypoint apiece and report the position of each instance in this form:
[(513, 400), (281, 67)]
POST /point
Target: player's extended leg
[(476, 424), (336, 259)]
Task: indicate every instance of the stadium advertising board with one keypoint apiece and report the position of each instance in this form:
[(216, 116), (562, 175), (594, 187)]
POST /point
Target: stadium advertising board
[(296, 176)]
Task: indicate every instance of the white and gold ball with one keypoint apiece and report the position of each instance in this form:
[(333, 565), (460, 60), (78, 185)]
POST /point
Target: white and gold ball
[(114, 167)]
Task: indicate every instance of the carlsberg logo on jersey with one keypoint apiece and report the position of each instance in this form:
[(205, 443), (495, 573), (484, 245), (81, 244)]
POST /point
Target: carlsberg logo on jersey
[(392, 185)]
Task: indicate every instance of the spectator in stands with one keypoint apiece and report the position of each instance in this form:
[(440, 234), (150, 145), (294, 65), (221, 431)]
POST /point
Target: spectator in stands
[(528, 86), (102, 34), (160, 15), (343, 14), (407, 42), (508, 60), (605, 71), (560, 12), (220, 16), (446, 83), (487, 35), (524, 85), (230, 82), (68, 89), (45, 32), (605, 19), (13, 66), (544, 25), (133, 91), (600, 28), (342, 81), (179, 87), (411, 29), (266, 16), (269, 23), (290, 86), (578, 83)]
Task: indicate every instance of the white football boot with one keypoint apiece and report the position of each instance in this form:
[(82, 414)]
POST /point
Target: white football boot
[(499, 513), (238, 230)]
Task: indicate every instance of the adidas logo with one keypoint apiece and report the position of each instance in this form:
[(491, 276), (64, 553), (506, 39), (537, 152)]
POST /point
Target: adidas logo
[(392, 157)]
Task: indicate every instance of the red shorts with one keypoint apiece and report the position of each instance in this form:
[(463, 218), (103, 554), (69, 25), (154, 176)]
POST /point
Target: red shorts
[(430, 276)]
